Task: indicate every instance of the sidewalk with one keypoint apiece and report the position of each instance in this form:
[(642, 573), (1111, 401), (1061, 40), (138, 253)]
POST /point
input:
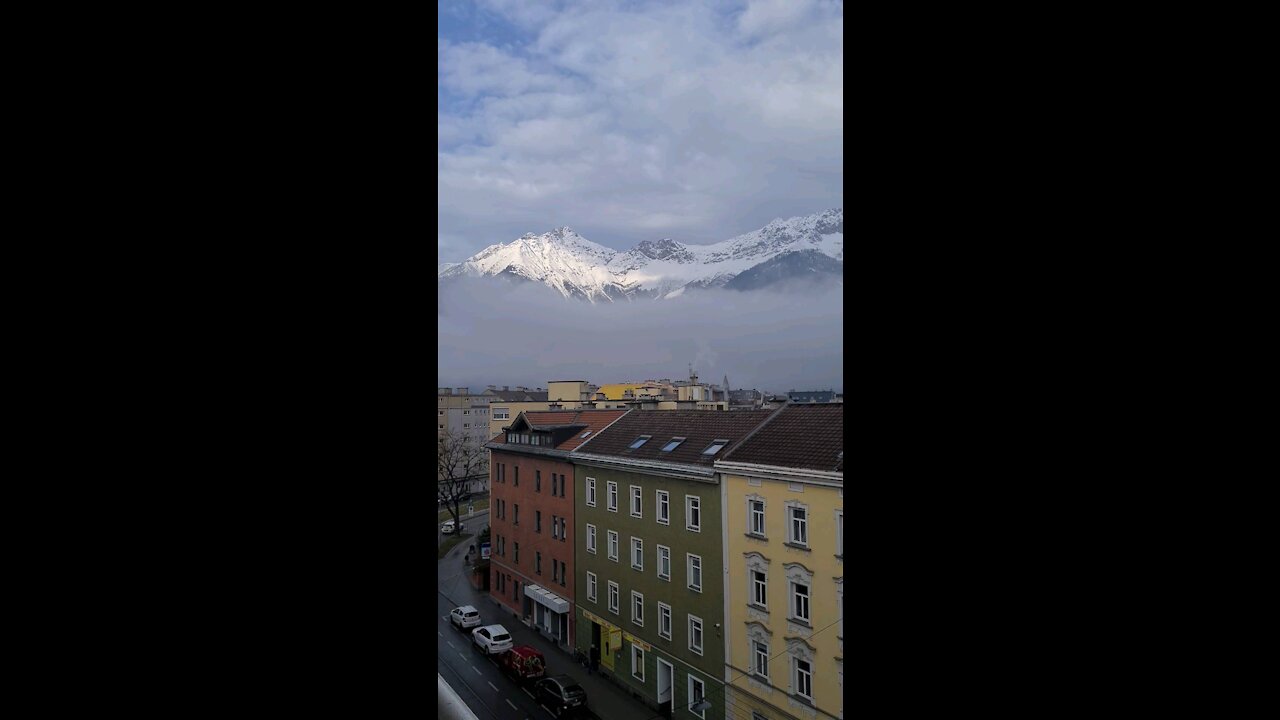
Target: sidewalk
[(604, 699)]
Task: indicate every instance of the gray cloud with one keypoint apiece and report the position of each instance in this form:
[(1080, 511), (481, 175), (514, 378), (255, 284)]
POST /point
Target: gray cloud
[(632, 121), (527, 335)]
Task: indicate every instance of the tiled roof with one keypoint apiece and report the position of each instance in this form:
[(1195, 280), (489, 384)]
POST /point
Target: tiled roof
[(809, 437), (698, 427), (591, 420)]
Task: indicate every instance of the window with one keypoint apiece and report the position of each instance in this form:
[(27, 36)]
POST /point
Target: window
[(501, 413), (800, 601), (613, 545), (664, 620), (517, 553), (555, 528), (760, 658), (697, 693), (555, 484), (537, 563), (840, 533), (537, 481), (591, 492), (517, 480), (637, 662), (636, 503), (555, 570), (564, 534), (584, 435), (803, 677), (613, 496), (759, 587), (537, 521), (757, 716), (516, 521), (755, 517), (675, 443), (640, 441), (664, 507), (695, 572), (466, 412), (715, 447), (439, 412), (664, 562), (562, 490), (564, 575), (441, 427), (695, 634), (637, 554), (693, 513), (613, 597), (798, 525), (637, 608), (591, 586)]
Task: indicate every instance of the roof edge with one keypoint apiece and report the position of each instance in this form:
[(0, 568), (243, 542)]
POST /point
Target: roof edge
[(779, 472)]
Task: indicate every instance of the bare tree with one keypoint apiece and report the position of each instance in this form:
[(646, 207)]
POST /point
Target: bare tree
[(460, 461)]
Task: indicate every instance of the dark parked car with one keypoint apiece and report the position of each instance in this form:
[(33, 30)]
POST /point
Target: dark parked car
[(561, 693)]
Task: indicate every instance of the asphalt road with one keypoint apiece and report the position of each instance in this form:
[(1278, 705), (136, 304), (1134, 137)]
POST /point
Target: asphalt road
[(489, 692)]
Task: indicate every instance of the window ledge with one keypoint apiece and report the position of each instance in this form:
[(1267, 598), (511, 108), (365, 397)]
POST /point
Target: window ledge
[(753, 536), (840, 558), (758, 608), (797, 546), (801, 623), (802, 699)]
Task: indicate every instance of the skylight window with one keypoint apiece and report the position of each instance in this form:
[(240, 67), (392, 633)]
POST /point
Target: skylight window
[(640, 441), (716, 447), (583, 435), (675, 443)]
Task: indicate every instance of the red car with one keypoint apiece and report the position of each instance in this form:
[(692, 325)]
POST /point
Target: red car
[(524, 663)]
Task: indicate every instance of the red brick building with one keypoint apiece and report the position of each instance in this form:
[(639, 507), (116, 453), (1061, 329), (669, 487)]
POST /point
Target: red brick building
[(531, 516)]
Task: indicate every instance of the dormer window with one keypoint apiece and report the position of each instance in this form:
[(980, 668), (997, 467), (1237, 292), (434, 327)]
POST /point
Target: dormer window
[(640, 441), (675, 443), (715, 447)]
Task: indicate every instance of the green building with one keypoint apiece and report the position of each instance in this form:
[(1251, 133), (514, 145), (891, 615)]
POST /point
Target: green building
[(649, 559)]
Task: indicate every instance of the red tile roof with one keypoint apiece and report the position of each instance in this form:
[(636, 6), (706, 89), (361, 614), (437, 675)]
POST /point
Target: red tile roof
[(809, 437), (590, 420)]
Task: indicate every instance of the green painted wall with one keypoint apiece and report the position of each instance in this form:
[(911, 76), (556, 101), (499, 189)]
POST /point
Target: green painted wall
[(707, 605)]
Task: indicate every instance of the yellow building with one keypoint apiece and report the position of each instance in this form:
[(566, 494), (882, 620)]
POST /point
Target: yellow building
[(783, 492)]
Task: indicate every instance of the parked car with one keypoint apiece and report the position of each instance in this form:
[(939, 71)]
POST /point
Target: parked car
[(561, 693), (524, 663), (447, 527), (464, 617), (491, 639)]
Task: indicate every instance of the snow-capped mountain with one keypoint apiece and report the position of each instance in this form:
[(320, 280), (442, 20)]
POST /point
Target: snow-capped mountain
[(576, 267)]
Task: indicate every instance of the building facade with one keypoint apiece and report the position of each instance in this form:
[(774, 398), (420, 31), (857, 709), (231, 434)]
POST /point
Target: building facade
[(784, 555), (531, 521), (649, 566)]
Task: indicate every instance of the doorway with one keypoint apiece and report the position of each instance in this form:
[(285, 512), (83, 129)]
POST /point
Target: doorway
[(664, 687)]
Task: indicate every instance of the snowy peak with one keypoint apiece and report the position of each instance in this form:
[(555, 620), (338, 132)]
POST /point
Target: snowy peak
[(577, 267)]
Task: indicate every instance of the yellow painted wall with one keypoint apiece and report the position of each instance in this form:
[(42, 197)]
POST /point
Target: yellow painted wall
[(614, 392), (822, 504)]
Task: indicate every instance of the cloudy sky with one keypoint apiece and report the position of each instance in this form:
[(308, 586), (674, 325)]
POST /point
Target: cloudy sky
[(630, 121)]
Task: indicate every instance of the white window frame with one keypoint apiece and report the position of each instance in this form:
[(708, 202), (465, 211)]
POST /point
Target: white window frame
[(591, 539), (792, 507), (664, 502), (808, 602), (759, 588), (637, 502), (637, 544), (752, 514), (666, 577), (664, 613), (702, 629), (689, 500), (592, 582), (692, 701), (637, 650), (637, 619), (613, 597), (611, 496), (613, 545), (757, 648), (795, 677), (688, 570), (591, 492), (840, 533), (505, 413)]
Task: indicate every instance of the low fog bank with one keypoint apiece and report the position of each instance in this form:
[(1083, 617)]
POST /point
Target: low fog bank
[(524, 334)]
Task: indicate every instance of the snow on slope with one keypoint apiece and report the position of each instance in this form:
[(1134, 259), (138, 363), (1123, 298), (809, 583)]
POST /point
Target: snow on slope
[(575, 266)]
